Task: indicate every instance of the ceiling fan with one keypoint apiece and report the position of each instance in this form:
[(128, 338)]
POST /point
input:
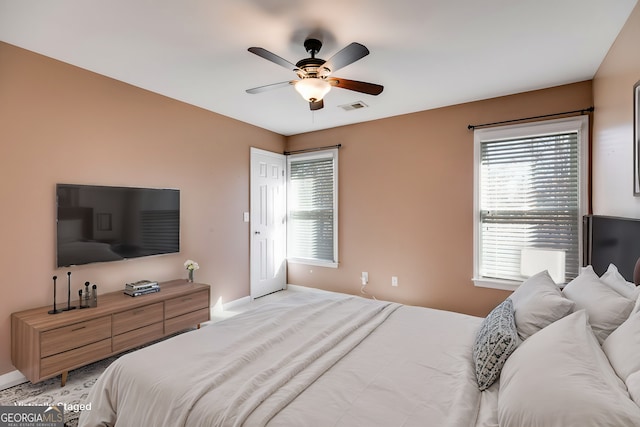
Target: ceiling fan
[(314, 73)]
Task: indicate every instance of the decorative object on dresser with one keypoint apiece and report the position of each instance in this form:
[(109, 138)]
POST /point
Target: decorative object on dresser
[(44, 346), (88, 298), (94, 295), (83, 296), (69, 307), (191, 266), (141, 287), (54, 310)]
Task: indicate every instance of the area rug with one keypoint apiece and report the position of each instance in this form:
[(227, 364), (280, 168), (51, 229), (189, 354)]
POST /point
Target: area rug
[(49, 392)]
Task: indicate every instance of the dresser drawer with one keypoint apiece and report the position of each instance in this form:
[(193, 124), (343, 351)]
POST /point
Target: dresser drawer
[(176, 324), (74, 336), (71, 359), (185, 304), (137, 318), (137, 337)]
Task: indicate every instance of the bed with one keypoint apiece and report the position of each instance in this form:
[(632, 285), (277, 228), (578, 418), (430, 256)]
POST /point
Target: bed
[(543, 357)]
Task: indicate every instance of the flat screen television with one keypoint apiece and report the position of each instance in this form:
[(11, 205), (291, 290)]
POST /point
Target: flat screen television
[(101, 223)]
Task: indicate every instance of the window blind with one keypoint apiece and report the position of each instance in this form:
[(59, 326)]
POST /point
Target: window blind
[(529, 198), (311, 210)]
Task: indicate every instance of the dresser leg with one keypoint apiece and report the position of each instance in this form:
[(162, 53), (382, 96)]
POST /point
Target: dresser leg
[(63, 381), (198, 325)]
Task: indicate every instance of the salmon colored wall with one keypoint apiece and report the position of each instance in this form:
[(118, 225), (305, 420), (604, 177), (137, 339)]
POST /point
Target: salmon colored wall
[(613, 124), (406, 200), (59, 123)]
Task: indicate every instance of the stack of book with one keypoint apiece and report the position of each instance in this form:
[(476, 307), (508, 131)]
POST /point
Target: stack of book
[(141, 287)]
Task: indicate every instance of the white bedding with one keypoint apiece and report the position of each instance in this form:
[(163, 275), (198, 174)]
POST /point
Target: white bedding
[(311, 359)]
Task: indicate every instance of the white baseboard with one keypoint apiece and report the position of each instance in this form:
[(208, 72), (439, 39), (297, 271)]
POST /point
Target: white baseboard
[(231, 304), (11, 378)]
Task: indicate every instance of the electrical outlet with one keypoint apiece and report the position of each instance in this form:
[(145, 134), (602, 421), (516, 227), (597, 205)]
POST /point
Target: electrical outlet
[(364, 278), (394, 281)]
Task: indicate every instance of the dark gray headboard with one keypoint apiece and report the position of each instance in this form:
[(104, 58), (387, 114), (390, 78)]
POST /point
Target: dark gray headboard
[(614, 240)]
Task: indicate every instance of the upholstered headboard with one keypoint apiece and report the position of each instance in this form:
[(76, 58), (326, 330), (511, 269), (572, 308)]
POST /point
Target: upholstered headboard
[(614, 240)]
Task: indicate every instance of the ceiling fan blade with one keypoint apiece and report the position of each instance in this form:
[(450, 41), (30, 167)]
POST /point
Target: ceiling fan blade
[(313, 106), (269, 56), (346, 56), (364, 87), (265, 88)]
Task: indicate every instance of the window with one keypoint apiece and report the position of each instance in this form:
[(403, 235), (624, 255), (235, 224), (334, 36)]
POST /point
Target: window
[(530, 193), (312, 208)]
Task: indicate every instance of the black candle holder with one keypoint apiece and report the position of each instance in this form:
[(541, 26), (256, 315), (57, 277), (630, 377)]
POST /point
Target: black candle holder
[(55, 310), (69, 307)]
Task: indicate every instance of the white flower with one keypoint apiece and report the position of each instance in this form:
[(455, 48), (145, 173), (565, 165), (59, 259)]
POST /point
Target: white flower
[(191, 265)]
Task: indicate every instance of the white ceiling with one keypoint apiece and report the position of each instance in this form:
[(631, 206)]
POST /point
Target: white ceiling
[(426, 53)]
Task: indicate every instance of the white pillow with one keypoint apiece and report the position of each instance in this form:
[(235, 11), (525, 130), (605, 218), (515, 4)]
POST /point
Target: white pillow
[(607, 309), (623, 347), (613, 278), (537, 303), (561, 377), (617, 282)]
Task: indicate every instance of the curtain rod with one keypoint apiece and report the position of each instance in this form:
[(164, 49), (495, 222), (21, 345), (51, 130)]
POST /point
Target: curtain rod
[(307, 150), (584, 110)]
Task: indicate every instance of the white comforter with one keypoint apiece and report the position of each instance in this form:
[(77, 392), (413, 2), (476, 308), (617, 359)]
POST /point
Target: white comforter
[(312, 359)]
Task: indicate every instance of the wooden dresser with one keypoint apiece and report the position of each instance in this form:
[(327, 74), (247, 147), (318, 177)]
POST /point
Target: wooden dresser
[(45, 345)]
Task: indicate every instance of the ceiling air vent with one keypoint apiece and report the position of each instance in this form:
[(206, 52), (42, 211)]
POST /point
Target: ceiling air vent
[(353, 106)]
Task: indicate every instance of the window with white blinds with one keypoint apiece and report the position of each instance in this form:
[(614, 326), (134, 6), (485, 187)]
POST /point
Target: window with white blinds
[(312, 208), (530, 193)]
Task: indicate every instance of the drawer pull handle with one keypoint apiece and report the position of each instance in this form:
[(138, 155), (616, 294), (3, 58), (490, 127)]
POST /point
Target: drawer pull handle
[(77, 329), (187, 299), (138, 311)]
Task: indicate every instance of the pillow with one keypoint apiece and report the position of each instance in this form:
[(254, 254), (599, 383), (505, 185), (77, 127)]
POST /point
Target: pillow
[(561, 377), (614, 279), (607, 309), (496, 340), (537, 303), (623, 347)]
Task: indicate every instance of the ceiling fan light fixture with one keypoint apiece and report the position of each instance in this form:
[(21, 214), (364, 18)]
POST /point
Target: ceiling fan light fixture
[(312, 89)]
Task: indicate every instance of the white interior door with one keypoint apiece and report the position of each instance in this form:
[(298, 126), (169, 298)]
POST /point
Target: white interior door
[(268, 227)]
